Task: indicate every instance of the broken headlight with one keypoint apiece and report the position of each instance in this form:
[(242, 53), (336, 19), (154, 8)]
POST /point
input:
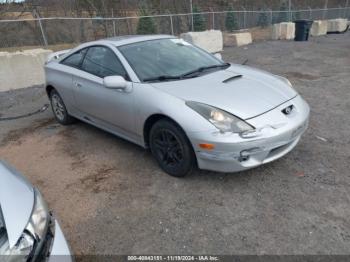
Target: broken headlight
[(33, 236)]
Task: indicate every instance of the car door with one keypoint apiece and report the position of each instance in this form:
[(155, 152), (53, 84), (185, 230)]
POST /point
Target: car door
[(108, 108)]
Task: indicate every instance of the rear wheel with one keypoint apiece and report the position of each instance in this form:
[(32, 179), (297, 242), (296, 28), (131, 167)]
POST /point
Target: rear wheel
[(171, 148), (59, 109)]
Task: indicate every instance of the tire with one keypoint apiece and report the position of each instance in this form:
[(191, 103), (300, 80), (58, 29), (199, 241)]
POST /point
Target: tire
[(59, 109), (171, 148)]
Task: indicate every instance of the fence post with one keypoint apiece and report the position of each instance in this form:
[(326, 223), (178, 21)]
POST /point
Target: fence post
[(41, 27), (325, 9), (310, 13), (271, 16), (244, 18), (290, 10), (192, 23), (114, 31), (213, 21), (171, 24)]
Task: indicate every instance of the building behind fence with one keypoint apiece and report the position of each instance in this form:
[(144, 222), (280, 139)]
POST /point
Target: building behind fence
[(72, 30)]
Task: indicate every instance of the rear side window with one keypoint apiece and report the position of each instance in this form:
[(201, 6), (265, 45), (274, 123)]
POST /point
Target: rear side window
[(74, 60), (102, 62)]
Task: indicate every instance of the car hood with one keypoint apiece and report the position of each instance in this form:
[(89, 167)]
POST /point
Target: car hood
[(16, 201), (246, 93)]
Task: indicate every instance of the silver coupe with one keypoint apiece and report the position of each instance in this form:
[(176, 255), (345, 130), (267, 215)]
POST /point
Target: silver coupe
[(188, 106)]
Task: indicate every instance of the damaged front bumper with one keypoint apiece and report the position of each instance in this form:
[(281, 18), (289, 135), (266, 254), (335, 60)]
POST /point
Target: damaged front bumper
[(275, 135)]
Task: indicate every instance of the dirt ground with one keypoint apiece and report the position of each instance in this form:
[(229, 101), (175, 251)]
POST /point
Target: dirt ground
[(111, 198)]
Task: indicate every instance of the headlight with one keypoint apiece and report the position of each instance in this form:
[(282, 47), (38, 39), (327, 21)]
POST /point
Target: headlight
[(222, 120), (35, 231)]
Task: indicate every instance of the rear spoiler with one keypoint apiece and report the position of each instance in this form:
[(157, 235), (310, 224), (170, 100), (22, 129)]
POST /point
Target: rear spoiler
[(56, 55)]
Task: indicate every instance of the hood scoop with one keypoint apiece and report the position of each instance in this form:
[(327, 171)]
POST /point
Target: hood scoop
[(232, 78)]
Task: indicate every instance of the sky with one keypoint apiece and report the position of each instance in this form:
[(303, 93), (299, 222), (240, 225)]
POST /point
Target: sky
[(17, 1)]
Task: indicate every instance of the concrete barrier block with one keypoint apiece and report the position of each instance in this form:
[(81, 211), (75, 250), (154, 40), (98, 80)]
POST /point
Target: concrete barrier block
[(319, 27), (287, 31), (261, 33), (211, 40), (283, 31), (337, 25), (22, 69), (237, 39), (276, 31)]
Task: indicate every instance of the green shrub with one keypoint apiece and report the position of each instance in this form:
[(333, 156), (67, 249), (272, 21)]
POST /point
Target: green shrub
[(146, 25), (231, 22), (263, 19), (199, 23), (283, 16)]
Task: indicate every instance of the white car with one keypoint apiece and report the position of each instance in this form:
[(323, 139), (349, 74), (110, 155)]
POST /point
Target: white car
[(188, 106), (28, 231)]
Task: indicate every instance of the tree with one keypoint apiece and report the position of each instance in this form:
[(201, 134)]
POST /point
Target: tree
[(263, 19), (146, 25), (231, 22), (296, 15), (283, 15), (199, 23)]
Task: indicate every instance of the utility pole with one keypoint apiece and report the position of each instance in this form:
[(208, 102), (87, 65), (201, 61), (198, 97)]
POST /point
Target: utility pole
[(191, 8)]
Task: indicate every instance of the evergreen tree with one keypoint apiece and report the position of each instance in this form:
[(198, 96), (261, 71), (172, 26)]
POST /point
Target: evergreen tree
[(296, 15), (230, 22), (283, 15), (199, 23), (146, 25), (263, 19)]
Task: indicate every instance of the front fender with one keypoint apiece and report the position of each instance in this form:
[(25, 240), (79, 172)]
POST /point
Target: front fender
[(151, 101)]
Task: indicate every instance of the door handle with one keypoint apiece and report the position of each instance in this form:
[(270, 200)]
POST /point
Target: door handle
[(78, 85)]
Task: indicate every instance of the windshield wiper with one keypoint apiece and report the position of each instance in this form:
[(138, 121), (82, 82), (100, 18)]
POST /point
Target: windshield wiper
[(203, 68), (185, 75), (161, 78)]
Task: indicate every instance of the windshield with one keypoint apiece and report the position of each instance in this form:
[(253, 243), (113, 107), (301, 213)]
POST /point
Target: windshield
[(166, 58)]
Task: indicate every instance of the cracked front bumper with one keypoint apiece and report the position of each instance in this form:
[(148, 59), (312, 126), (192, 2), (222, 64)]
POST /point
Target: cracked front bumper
[(276, 134)]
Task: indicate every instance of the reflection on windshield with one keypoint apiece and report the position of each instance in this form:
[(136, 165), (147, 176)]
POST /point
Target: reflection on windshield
[(166, 57)]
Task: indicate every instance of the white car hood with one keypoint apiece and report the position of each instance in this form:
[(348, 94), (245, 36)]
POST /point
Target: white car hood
[(16, 201), (252, 94)]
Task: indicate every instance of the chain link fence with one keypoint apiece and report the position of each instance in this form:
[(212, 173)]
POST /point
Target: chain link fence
[(72, 30)]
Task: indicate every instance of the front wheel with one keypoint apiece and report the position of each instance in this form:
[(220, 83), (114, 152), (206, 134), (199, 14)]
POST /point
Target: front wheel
[(171, 148), (59, 109)]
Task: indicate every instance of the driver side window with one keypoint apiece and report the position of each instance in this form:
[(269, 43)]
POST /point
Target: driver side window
[(102, 62)]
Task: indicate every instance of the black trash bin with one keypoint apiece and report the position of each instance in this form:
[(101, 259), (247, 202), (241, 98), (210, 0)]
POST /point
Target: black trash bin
[(302, 29)]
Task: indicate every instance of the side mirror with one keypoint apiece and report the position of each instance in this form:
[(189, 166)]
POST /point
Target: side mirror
[(115, 82), (218, 55)]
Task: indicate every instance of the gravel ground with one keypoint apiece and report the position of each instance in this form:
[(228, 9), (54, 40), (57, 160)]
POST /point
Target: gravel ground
[(111, 198)]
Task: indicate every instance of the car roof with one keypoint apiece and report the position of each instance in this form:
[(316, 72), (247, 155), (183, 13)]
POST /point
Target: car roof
[(130, 39), (116, 41)]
